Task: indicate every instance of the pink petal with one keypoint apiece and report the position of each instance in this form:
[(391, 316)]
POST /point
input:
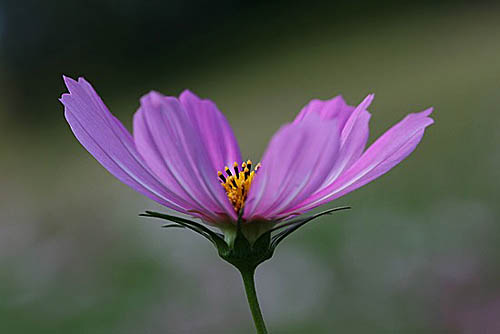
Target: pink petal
[(173, 146), (353, 139), (111, 144), (295, 164), (214, 129), (388, 151), (335, 108)]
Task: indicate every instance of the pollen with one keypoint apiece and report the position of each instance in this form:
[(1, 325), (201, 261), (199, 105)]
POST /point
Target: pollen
[(237, 181)]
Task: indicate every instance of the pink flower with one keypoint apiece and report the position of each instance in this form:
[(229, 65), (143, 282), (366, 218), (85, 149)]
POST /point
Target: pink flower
[(180, 149)]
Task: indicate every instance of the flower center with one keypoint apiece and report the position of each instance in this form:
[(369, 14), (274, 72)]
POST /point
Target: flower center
[(237, 184)]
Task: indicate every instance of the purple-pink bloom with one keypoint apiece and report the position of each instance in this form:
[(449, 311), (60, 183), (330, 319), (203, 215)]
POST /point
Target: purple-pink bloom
[(180, 149)]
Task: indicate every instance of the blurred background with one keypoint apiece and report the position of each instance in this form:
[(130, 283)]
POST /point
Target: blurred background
[(419, 252)]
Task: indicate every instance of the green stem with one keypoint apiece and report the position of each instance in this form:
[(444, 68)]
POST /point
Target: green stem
[(253, 302)]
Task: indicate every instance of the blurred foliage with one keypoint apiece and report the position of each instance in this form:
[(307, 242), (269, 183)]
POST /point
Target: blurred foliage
[(417, 254)]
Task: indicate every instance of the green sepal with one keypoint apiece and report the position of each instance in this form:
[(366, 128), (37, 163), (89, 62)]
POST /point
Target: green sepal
[(243, 254), (213, 237), (294, 225), (238, 250), (172, 225)]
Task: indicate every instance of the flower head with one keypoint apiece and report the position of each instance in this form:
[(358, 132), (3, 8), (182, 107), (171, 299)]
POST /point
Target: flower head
[(184, 155)]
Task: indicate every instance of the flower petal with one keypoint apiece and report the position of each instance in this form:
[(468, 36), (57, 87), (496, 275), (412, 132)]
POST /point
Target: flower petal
[(295, 164), (111, 144), (353, 125), (335, 108), (171, 144), (388, 151), (353, 139), (214, 129)]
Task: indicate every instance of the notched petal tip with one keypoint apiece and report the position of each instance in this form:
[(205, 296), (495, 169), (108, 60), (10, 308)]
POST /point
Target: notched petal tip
[(188, 93), (427, 112), (422, 118), (81, 85), (64, 96), (367, 101), (70, 83), (153, 98), (67, 80), (190, 100)]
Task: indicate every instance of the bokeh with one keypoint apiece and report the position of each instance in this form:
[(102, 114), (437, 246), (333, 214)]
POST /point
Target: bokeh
[(419, 251)]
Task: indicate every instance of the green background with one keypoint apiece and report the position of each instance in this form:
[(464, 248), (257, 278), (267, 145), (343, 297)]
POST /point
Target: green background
[(418, 253)]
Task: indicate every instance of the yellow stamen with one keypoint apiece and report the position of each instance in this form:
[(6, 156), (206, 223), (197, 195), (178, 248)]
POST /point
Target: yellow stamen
[(238, 185), (235, 167), (221, 177)]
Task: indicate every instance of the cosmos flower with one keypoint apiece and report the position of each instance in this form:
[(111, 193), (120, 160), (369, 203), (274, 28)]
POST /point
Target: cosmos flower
[(184, 155)]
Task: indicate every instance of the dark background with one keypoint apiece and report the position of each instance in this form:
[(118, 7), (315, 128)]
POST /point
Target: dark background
[(418, 253)]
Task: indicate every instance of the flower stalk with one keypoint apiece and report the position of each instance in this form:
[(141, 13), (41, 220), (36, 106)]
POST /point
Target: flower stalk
[(245, 251), (249, 283)]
